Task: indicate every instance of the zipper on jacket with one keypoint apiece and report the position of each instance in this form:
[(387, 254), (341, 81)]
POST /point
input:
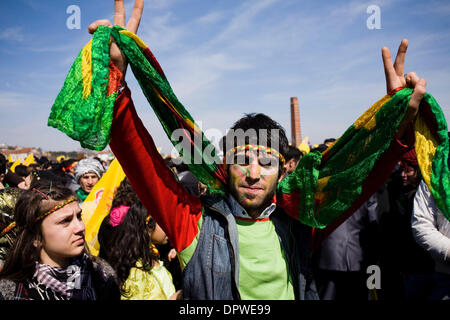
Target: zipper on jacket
[(231, 252)]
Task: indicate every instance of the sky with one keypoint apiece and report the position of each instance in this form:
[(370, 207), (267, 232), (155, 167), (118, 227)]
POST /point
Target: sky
[(225, 58)]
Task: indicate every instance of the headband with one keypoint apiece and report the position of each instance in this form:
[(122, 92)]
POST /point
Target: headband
[(70, 166), (253, 147), (56, 208), (12, 225)]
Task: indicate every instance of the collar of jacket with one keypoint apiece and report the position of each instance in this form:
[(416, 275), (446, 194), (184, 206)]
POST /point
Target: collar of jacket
[(231, 206)]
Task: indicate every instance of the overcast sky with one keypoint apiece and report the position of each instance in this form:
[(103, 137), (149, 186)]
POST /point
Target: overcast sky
[(225, 58)]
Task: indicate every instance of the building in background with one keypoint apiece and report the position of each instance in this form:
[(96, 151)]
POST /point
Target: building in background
[(296, 131)]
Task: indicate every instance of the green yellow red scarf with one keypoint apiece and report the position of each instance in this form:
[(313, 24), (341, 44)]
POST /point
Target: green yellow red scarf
[(323, 186)]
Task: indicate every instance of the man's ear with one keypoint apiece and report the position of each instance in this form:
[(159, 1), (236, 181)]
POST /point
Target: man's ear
[(288, 165)]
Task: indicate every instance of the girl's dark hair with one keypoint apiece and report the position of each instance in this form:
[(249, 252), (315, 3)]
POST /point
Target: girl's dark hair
[(125, 195), (21, 258), (129, 242)]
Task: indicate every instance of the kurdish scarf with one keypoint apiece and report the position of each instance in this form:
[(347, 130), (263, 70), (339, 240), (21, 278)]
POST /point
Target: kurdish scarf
[(324, 185), (52, 283), (81, 194)]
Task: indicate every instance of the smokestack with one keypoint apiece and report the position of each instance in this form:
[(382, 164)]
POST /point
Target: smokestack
[(296, 132)]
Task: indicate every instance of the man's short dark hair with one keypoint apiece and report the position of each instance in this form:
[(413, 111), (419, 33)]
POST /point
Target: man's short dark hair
[(321, 148), (293, 153), (266, 132), (21, 170), (2, 164)]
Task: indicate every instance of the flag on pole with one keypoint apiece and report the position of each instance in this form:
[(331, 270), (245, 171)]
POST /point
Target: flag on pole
[(98, 203)]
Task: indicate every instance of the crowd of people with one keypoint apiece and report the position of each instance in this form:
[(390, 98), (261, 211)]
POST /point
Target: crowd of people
[(167, 235), (129, 262), (399, 229)]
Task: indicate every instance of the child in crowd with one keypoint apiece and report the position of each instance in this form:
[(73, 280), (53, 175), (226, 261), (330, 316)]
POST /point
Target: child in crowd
[(130, 249)]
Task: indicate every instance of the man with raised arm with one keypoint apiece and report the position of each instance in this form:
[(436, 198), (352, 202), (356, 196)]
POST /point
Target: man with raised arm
[(243, 244)]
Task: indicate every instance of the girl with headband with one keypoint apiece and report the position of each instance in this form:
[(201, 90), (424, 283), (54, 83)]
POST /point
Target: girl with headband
[(49, 259)]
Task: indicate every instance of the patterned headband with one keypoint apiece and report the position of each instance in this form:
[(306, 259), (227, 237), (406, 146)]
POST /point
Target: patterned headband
[(56, 208), (12, 225), (253, 147), (74, 164)]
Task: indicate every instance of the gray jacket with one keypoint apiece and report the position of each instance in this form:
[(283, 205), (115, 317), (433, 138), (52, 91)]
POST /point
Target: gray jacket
[(342, 250), (213, 271), (431, 229)]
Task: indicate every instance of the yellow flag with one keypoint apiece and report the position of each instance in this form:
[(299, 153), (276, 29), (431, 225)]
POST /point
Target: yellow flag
[(10, 158), (29, 160), (15, 164), (97, 204), (304, 146), (61, 158)]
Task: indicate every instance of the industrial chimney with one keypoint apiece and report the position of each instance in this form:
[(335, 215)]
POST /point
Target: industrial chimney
[(296, 132)]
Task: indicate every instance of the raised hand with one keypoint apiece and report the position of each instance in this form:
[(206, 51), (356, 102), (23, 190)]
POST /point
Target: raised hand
[(395, 72), (395, 78), (117, 57)]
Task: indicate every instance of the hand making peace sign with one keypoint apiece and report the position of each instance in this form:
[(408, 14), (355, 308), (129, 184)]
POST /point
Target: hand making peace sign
[(117, 57), (395, 78), (394, 72)]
